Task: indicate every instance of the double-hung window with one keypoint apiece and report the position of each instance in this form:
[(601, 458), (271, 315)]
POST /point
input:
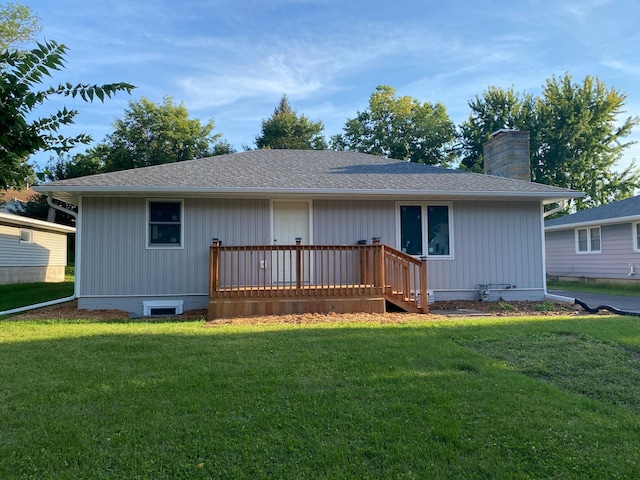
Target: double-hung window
[(165, 225), (588, 240), (636, 237), (425, 230)]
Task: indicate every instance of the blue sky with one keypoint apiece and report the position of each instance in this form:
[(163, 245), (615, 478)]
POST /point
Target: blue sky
[(231, 60)]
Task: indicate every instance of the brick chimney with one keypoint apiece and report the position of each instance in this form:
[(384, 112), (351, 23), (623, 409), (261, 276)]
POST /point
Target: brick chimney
[(506, 154)]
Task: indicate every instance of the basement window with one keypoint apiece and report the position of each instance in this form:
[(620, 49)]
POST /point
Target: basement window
[(162, 307), (165, 226), (588, 240)]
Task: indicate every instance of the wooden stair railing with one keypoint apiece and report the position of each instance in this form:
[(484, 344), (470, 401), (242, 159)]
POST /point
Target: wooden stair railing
[(405, 280)]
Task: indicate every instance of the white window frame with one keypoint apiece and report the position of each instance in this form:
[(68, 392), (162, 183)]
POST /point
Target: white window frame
[(589, 250), (29, 235), (635, 235), (165, 246), (425, 225)]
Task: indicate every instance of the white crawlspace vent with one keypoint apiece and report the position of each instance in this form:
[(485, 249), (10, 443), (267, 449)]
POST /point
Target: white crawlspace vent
[(162, 307)]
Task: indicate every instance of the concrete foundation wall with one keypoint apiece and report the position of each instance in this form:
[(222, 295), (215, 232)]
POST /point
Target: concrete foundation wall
[(9, 275)]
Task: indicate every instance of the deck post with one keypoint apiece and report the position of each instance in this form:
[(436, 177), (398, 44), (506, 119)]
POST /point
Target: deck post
[(424, 299), (298, 263), (363, 258), (378, 264), (214, 266)]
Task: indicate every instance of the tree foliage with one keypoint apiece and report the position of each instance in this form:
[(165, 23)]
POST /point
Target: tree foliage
[(495, 110), (22, 135), (153, 134), (286, 130), (576, 135), (18, 25), (400, 127)]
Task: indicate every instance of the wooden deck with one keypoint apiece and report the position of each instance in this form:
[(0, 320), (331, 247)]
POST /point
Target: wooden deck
[(270, 279)]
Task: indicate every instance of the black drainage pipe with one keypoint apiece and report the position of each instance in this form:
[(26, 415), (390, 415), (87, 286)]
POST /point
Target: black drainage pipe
[(604, 307)]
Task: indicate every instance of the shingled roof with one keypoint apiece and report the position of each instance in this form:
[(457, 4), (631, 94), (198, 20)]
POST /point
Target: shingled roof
[(621, 211), (302, 173)]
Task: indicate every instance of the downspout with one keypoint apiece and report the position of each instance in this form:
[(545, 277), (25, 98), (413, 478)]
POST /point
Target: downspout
[(75, 283), (547, 295), (563, 203)]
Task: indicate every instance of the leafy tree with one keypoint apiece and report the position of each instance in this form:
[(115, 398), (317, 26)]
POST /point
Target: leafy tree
[(20, 134), (581, 140), (17, 25), (576, 135), (285, 129), (401, 128), (151, 134)]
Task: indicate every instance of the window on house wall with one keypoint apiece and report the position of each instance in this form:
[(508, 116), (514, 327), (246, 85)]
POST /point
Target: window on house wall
[(423, 224), (26, 236), (165, 223), (588, 240), (636, 237)]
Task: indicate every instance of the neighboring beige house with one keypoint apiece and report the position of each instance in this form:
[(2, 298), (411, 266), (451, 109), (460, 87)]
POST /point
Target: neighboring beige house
[(32, 250)]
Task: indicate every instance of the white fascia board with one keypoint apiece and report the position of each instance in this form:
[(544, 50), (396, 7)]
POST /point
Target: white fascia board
[(593, 223), (20, 221), (68, 192)]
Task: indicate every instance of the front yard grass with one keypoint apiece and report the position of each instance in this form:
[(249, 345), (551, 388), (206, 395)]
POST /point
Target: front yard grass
[(539, 397), (627, 290)]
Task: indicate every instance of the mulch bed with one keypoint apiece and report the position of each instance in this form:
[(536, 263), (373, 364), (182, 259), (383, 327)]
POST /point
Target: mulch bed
[(439, 311)]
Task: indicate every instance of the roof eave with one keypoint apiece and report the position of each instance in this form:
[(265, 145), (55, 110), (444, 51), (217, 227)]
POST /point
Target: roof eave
[(592, 223), (69, 193), (27, 222)]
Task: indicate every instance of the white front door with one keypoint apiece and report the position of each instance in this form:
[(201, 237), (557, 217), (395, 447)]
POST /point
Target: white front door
[(290, 221)]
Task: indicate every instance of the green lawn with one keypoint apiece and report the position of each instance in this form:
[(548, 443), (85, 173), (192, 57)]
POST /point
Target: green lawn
[(23, 294), (544, 397), (605, 288)]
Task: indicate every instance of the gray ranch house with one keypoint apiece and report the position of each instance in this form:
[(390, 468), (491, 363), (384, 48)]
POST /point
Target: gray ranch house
[(599, 243), (286, 231)]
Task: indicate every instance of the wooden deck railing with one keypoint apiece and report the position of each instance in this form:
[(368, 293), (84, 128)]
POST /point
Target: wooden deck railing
[(272, 271)]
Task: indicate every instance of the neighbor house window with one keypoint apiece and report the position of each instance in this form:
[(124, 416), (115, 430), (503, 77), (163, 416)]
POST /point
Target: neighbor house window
[(26, 236), (425, 230), (165, 223), (588, 240), (636, 237)]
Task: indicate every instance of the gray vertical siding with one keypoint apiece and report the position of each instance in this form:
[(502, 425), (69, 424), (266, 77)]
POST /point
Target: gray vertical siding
[(344, 222), (493, 243), (115, 260), (613, 261)]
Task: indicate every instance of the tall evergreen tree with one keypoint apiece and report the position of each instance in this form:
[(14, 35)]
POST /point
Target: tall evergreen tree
[(286, 130)]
